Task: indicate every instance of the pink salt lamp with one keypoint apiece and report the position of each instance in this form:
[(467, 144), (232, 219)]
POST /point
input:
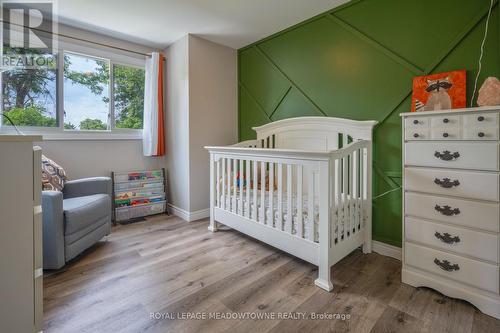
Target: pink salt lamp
[(489, 94)]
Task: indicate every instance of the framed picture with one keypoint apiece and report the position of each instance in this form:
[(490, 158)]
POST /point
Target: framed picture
[(441, 91)]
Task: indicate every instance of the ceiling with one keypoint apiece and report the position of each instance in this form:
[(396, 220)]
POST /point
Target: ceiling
[(158, 23)]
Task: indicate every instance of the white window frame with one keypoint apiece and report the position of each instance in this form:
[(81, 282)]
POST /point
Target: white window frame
[(59, 133)]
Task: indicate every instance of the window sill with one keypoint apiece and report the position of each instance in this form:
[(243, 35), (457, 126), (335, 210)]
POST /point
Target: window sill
[(79, 136), (91, 136)]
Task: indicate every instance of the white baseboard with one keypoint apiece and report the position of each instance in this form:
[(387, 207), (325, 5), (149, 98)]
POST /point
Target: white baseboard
[(189, 216), (387, 250)]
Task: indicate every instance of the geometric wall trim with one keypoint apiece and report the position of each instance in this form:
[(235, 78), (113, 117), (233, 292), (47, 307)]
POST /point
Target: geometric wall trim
[(357, 61)]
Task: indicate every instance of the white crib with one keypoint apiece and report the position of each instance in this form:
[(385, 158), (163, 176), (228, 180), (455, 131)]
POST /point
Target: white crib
[(304, 187)]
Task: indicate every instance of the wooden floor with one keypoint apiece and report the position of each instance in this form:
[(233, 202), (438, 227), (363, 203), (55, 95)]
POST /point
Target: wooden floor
[(167, 267)]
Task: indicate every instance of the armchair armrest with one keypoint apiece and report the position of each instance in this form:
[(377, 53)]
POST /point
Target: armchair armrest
[(53, 229), (87, 186)]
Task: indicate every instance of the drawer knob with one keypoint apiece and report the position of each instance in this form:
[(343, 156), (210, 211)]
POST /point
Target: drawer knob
[(415, 122), (446, 238), (447, 210), (446, 120), (445, 135), (480, 118), (416, 135), (480, 134), (445, 265), (446, 182), (447, 155)]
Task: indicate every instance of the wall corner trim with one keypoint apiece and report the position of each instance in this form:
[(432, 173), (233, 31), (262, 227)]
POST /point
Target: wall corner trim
[(387, 250), (189, 216)]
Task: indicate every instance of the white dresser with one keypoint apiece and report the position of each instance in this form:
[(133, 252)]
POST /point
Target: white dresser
[(21, 275), (451, 204)]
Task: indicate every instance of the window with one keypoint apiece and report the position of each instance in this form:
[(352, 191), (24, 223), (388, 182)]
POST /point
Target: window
[(128, 96), (86, 93), (29, 92), (83, 90)]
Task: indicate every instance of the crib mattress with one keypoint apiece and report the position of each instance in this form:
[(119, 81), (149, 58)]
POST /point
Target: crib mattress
[(241, 206)]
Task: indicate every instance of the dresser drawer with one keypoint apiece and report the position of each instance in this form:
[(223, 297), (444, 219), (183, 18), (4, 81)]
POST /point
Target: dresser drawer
[(472, 272), (466, 184), (443, 133), (457, 155), (417, 123), (417, 134), (480, 120), (455, 211), (480, 133), (445, 121), (459, 240)]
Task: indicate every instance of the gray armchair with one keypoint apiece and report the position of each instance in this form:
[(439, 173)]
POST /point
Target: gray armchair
[(75, 219)]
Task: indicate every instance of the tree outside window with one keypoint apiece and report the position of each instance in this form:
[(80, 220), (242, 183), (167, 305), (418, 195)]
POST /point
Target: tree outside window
[(29, 95)]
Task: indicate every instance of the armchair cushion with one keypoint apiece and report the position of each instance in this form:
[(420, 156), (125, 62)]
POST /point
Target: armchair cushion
[(87, 186), (84, 212)]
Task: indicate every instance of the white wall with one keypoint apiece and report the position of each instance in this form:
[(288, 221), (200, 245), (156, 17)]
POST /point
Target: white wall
[(82, 159), (177, 123), (213, 115), (201, 110)]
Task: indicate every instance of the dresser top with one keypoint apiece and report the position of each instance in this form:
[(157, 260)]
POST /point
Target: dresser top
[(20, 138), (495, 108)]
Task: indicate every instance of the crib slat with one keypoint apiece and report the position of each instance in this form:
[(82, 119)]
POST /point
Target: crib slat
[(352, 200), (289, 202), (223, 165), (358, 182), (262, 192), (310, 206), (345, 206), (247, 187), (217, 185), (299, 226), (340, 215), (235, 187), (333, 218), (279, 223), (336, 195), (362, 184), (255, 181), (271, 194), (345, 212), (365, 195), (355, 184), (229, 182), (240, 180)]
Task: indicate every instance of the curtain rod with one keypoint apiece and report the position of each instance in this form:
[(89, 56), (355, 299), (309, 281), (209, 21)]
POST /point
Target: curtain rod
[(84, 40)]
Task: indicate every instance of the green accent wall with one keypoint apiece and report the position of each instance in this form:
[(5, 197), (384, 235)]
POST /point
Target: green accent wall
[(357, 61)]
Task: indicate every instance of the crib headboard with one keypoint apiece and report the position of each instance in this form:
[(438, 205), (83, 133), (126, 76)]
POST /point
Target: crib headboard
[(313, 133)]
